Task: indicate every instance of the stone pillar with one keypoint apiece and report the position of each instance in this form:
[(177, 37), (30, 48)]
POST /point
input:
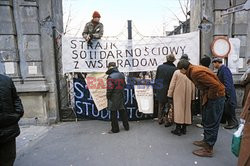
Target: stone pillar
[(9, 58), (207, 12), (195, 14)]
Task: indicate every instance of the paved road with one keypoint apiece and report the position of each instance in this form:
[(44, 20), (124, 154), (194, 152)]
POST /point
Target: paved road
[(87, 143)]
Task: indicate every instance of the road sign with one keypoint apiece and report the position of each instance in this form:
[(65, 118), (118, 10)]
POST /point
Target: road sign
[(245, 6), (221, 47)]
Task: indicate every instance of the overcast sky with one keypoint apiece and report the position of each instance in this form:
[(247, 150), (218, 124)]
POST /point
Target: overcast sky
[(150, 17)]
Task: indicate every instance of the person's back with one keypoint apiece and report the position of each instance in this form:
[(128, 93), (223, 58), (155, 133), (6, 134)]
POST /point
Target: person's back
[(118, 83), (164, 75), (225, 76), (163, 78), (115, 97), (213, 101), (211, 86), (11, 110)]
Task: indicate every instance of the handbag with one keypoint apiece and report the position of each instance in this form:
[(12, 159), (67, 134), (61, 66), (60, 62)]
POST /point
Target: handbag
[(236, 141)]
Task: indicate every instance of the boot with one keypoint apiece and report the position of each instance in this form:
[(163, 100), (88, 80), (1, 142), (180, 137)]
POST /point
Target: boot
[(177, 130), (204, 152), (168, 124), (183, 129)]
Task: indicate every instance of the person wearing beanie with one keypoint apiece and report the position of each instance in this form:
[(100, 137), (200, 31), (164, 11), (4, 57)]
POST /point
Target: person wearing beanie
[(225, 76), (93, 29), (164, 75)]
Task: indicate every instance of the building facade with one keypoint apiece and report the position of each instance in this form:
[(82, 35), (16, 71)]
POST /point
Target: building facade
[(27, 54), (235, 25)]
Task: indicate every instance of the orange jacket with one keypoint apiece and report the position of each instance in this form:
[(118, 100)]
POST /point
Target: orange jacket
[(206, 81)]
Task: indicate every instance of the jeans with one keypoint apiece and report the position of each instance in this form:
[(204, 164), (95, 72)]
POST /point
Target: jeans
[(229, 112), (212, 115)]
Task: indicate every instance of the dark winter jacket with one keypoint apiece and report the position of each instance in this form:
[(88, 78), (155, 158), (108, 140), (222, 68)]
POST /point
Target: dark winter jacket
[(225, 76), (11, 110), (163, 78), (96, 31), (115, 90)]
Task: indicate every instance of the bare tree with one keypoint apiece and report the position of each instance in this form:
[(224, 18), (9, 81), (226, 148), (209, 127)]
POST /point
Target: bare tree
[(185, 8)]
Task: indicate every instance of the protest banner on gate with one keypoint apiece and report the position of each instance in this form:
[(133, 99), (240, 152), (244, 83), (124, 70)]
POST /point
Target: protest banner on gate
[(96, 83), (145, 98), (85, 107), (129, 55)]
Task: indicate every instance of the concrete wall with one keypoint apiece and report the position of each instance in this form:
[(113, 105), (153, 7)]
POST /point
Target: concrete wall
[(235, 25), (27, 54)]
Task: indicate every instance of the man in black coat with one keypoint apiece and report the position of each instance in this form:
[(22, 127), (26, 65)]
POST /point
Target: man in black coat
[(163, 78), (115, 96), (11, 110)]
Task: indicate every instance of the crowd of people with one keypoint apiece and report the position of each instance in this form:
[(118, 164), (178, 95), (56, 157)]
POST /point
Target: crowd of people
[(217, 96)]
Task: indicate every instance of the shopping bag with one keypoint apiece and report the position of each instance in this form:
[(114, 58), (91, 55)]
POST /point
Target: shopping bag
[(235, 146)]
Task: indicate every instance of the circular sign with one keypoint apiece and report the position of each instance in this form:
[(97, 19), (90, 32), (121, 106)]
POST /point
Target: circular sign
[(221, 47)]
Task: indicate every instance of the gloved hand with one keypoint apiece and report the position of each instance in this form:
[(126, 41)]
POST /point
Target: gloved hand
[(170, 100)]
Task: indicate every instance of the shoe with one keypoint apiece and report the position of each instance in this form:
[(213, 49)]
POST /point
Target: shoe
[(111, 132), (199, 125), (168, 124), (204, 152), (160, 121), (183, 129), (200, 143), (177, 130), (126, 128), (233, 126)]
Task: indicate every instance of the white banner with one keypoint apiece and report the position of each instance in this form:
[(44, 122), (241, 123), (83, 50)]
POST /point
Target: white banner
[(129, 55), (145, 98), (96, 83)]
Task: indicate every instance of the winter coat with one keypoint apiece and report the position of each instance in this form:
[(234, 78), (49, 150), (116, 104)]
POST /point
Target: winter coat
[(182, 90), (95, 30), (163, 77), (225, 76), (244, 157), (115, 90), (206, 81), (246, 83), (11, 110)]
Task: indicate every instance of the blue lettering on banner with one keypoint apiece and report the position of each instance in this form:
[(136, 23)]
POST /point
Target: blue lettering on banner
[(85, 106)]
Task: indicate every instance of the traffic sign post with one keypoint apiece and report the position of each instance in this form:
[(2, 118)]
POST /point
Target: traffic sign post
[(245, 6)]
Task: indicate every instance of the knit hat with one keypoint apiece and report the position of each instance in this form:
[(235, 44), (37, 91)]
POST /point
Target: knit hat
[(185, 56), (111, 65), (171, 58), (205, 61), (96, 14)]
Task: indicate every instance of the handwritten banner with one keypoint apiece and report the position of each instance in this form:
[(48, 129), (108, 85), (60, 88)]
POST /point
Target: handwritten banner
[(96, 83), (86, 108), (145, 98), (129, 55)]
